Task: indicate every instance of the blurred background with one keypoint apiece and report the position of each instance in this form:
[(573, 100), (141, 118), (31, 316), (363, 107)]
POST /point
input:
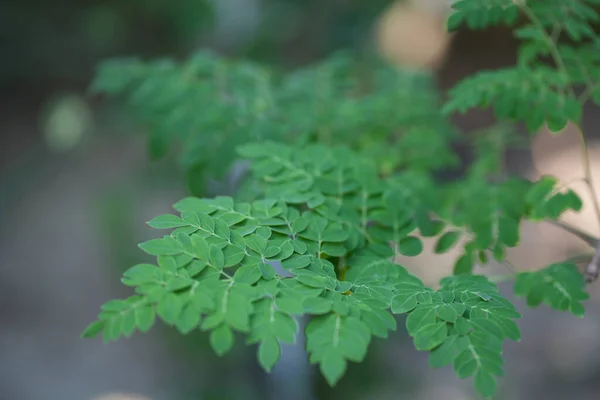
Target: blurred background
[(76, 186)]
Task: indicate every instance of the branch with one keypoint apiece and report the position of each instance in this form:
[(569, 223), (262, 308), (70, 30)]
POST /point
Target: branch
[(592, 271), (589, 239), (588, 173)]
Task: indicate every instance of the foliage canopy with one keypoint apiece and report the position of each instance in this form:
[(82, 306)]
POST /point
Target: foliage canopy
[(344, 175)]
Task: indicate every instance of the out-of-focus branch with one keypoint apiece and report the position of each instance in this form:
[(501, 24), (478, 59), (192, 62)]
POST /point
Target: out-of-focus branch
[(589, 239), (592, 271)]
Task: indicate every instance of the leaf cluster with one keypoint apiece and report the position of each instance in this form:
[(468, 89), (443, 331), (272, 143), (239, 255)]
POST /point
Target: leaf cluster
[(342, 179), (322, 248), (534, 91), (215, 272), (211, 102)]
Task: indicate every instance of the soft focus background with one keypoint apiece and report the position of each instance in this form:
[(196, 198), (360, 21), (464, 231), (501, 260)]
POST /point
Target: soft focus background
[(76, 187)]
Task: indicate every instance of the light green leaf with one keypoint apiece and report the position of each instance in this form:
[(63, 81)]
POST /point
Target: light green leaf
[(248, 273), (430, 336), (485, 383), (93, 329), (317, 305), (333, 366), (404, 303), (167, 221), (269, 352), (216, 257), (221, 339), (166, 246), (421, 316), (266, 270)]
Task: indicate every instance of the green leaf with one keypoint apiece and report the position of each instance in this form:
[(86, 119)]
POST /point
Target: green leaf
[(266, 270), (311, 279), (546, 93), (560, 285), (317, 305), (144, 317), (188, 320), (166, 246), (333, 215), (478, 15), (167, 221), (269, 353), (290, 305), (94, 329), (430, 336), (297, 261), (447, 352), (216, 257), (221, 339), (333, 367), (447, 313), (422, 316), (249, 273), (410, 246), (464, 264), (485, 383), (446, 241), (404, 303), (169, 308)]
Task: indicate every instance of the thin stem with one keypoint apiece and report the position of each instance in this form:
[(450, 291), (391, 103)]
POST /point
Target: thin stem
[(585, 96), (589, 239), (556, 31), (579, 258), (509, 266), (560, 64), (567, 184), (592, 270), (588, 179)]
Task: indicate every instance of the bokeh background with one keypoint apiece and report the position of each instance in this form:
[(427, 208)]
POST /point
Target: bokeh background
[(76, 186)]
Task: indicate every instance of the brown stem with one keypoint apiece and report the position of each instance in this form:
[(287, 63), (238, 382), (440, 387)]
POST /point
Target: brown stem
[(592, 271)]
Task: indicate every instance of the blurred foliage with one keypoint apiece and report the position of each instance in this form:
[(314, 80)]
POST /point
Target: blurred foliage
[(64, 39), (208, 102), (343, 157)]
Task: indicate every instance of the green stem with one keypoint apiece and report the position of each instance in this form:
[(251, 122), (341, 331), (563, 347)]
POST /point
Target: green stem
[(560, 64), (588, 179)]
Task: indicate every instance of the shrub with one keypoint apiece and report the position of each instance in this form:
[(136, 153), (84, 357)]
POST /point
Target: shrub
[(344, 174)]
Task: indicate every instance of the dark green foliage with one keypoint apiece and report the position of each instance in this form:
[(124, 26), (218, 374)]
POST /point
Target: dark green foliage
[(206, 102), (531, 91), (535, 95), (561, 286), (481, 14), (343, 159), (330, 228), (214, 272)]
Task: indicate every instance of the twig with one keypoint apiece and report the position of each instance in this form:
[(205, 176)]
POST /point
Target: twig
[(550, 40), (592, 270), (588, 173), (589, 239)]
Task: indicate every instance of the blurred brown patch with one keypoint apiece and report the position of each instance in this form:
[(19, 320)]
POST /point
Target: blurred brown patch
[(413, 36)]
